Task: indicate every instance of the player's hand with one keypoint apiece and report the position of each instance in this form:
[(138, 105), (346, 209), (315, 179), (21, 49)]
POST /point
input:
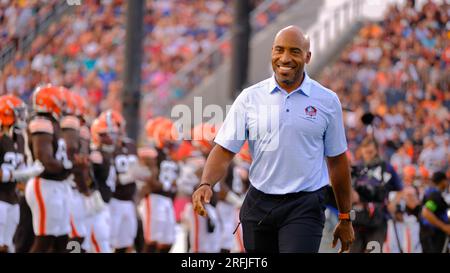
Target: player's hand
[(81, 160), (343, 232), (201, 196), (28, 172)]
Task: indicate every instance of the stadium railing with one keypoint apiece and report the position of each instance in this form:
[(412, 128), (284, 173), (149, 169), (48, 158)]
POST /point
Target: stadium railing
[(327, 33), (24, 42), (327, 30)]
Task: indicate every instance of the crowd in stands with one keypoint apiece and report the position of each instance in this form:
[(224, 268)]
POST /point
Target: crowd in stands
[(399, 70), (85, 49), (18, 17)]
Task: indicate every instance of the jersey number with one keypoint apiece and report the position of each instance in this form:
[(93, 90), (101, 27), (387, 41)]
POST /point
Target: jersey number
[(168, 173), (12, 160), (61, 154), (111, 179), (123, 162)]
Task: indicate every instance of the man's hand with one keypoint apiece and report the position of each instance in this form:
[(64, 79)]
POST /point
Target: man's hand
[(201, 195), (28, 172), (344, 232)]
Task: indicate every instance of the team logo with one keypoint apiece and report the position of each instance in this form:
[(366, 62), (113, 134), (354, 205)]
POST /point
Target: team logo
[(311, 111)]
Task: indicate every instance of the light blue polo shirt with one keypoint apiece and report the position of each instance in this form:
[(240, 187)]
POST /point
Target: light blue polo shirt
[(290, 134)]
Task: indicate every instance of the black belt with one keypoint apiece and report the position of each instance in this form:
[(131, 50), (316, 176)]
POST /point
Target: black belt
[(286, 195)]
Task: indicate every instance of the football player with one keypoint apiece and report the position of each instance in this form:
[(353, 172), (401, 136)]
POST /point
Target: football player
[(71, 127), (13, 166), (156, 208), (205, 233), (122, 206), (104, 136), (47, 194)]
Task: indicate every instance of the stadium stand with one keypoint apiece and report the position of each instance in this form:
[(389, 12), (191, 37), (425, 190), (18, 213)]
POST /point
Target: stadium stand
[(398, 69)]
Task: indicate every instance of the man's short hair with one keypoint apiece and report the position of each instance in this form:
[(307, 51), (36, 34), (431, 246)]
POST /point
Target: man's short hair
[(369, 141), (438, 177)]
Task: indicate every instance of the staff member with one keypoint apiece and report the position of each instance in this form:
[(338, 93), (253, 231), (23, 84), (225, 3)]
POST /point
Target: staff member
[(284, 208), (435, 228)]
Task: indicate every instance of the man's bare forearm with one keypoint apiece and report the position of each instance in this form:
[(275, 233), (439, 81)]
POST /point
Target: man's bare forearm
[(340, 179), (216, 165)]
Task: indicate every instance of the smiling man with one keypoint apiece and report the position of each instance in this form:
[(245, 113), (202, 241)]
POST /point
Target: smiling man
[(284, 208), (290, 54)]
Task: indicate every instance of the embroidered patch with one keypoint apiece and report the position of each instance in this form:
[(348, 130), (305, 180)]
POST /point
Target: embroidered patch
[(311, 111)]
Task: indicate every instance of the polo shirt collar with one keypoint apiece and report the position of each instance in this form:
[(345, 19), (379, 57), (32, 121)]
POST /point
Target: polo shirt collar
[(305, 87)]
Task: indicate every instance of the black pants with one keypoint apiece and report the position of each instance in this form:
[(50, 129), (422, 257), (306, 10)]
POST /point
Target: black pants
[(363, 236), (24, 235), (432, 240), (290, 223)]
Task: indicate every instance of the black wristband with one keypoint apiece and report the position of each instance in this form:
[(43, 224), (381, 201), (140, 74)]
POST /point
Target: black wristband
[(204, 184)]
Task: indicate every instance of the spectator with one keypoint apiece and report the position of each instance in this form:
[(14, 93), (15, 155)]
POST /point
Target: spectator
[(432, 156), (400, 159), (403, 229), (400, 68)]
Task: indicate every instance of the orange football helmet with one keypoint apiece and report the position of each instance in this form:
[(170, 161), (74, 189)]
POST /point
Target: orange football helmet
[(81, 108), (12, 111), (48, 99), (203, 136), (151, 125), (161, 131), (69, 101), (183, 151), (115, 117), (101, 126), (96, 127)]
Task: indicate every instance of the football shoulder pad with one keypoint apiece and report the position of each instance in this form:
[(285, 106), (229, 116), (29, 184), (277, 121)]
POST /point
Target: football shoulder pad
[(41, 125)]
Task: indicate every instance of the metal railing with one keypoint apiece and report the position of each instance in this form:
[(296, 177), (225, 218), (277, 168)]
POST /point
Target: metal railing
[(194, 72), (24, 42), (324, 32)]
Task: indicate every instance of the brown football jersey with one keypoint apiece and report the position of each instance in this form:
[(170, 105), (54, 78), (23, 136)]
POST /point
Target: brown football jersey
[(12, 157), (125, 155), (71, 131), (45, 124), (103, 173)]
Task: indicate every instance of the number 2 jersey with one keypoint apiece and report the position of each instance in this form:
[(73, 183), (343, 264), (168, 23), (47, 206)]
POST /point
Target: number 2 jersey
[(12, 157)]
